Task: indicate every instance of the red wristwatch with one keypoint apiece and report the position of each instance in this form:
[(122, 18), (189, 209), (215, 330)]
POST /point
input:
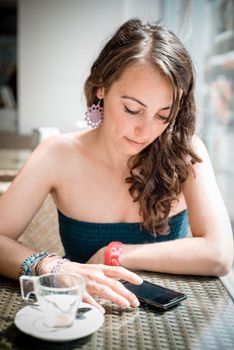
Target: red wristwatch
[(112, 253)]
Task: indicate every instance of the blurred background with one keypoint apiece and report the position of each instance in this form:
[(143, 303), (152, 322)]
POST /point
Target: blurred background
[(47, 47)]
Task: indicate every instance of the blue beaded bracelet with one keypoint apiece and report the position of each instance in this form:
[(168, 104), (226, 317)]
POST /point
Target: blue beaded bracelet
[(26, 267)]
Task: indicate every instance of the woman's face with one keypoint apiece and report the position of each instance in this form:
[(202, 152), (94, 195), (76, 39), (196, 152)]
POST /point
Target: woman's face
[(136, 108)]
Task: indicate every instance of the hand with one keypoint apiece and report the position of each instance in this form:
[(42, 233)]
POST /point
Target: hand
[(98, 257), (101, 280)]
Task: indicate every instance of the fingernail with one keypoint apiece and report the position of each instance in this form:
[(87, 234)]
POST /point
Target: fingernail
[(135, 303), (139, 279), (125, 304)]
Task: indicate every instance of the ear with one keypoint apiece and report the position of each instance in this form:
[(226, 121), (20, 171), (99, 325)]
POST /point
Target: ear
[(100, 93)]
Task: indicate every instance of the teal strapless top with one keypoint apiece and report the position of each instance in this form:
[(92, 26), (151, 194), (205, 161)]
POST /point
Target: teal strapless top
[(83, 239)]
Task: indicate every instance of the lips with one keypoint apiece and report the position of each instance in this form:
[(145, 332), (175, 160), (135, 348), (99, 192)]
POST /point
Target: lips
[(137, 143)]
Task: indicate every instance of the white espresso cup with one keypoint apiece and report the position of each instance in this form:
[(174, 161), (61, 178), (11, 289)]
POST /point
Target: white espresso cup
[(58, 295)]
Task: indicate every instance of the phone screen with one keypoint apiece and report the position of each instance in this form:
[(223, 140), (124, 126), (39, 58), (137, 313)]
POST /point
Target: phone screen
[(155, 295)]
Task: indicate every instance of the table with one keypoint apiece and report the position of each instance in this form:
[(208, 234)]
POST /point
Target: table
[(13, 159), (204, 321)]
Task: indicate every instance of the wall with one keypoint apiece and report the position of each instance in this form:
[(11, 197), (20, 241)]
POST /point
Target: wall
[(58, 40)]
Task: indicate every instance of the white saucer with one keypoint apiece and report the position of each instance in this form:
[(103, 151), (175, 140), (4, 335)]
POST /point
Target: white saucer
[(30, 321)]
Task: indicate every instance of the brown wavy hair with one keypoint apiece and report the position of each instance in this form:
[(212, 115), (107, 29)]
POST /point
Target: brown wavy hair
[(157, 173)]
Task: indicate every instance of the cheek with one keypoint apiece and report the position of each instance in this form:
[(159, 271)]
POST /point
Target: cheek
[(158, 130), (119, 123), (111, 113), (164, 127)]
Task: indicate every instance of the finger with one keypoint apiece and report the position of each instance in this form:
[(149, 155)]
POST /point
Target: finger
[(90, 300), (105, 291), (120, 289), (121, 272)]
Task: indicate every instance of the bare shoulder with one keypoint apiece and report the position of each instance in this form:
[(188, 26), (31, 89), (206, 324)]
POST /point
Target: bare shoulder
[(51, 155), (63, 145), (200, 170), (61, 142), (200, 148)]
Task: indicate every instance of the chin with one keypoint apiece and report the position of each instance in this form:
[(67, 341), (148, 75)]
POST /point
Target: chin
[(133, 152)]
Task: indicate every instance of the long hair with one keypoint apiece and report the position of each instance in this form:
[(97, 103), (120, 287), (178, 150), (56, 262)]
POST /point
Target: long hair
[(157, 173)]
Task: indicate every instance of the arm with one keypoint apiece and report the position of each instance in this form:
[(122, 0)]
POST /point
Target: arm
[(19, 204), (209, 251)]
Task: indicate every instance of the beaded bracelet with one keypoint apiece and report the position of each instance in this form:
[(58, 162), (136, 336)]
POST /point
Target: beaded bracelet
[(39, 267), (30, 261)]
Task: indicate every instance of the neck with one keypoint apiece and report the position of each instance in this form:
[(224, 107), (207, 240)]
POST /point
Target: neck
[(108, 152)]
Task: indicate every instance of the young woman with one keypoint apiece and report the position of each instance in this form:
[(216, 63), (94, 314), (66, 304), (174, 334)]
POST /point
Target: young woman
[(128, 191)]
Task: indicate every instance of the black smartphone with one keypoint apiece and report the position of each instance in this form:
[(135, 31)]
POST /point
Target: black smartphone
[(155, 295)]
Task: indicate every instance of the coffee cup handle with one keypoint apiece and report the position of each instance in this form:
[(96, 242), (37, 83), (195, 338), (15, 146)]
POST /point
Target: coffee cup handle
[(27, 286)]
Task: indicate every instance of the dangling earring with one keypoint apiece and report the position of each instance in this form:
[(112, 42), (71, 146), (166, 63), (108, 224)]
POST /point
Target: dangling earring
[(94, 115), (170, 128)]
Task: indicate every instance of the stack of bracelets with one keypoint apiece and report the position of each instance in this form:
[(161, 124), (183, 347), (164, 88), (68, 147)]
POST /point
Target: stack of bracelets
[(34, 264)]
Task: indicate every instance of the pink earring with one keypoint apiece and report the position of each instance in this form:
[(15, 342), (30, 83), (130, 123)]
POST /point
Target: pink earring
[(94, 115)]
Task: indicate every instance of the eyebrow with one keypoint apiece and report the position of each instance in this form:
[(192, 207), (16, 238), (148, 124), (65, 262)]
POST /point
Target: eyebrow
[(141, 103), (134, 99)]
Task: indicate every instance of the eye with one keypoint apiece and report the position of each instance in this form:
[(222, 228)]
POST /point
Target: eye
[(162, 118), (130, 111)]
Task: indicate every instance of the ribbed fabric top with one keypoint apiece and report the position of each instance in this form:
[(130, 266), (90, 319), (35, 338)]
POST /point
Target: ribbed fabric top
[(82, 239)]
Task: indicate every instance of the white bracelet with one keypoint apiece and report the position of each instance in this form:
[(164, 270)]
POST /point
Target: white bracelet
[(58, 264)]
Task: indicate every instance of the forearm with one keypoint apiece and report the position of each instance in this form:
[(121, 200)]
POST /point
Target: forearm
[(12, 256), (100, 279), (193, 256)]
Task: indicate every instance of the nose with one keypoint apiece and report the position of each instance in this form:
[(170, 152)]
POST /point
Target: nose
[(142, 131)]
